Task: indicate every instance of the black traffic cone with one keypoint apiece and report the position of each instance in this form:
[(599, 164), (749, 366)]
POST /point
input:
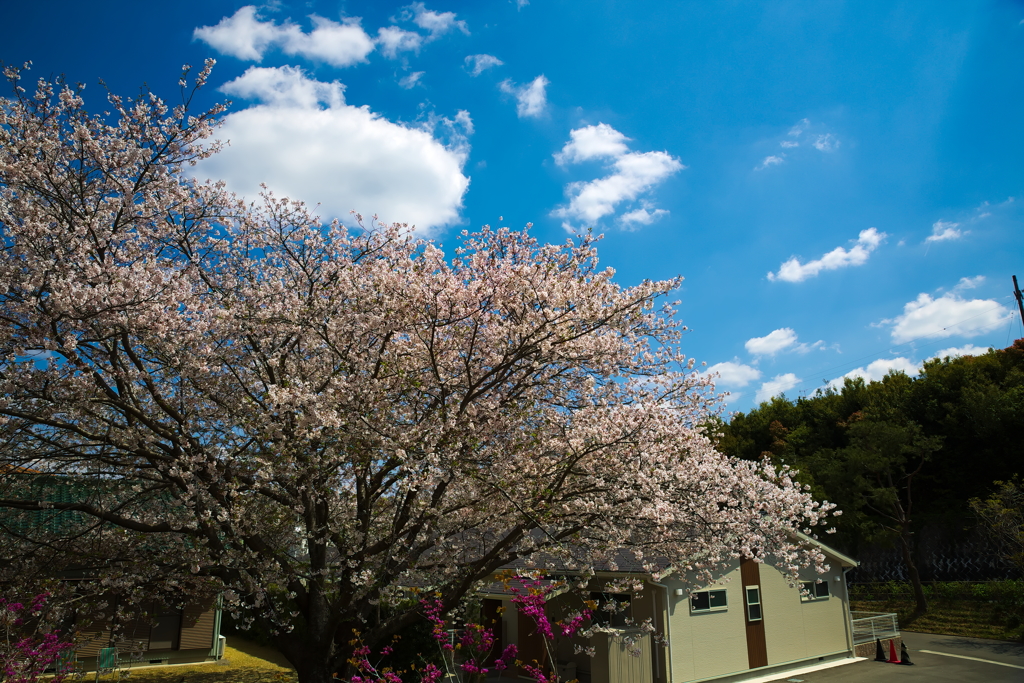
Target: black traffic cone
[(904, 655), (879, 652)]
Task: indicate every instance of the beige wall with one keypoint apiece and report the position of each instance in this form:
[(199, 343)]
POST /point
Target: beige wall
[(715, 643), (796, 629), (711, 643)]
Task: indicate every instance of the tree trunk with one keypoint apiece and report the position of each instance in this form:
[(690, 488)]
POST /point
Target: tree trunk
[(907, 546)]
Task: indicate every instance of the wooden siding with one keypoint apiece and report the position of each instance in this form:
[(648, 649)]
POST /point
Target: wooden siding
[(757, 649), (197, 622)]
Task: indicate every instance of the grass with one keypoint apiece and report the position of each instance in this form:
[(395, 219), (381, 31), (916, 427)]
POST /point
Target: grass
[(243, 662), (979, 610)]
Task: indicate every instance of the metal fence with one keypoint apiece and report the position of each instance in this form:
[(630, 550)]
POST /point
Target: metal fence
[(868, 626)]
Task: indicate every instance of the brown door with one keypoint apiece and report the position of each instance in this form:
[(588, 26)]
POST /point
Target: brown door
[(757, 650)]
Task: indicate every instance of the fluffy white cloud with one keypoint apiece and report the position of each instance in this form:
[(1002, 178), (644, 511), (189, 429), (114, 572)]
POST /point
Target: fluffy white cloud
[(957, 351), (794, 271), (477, 64), (772, 343), (944, 230), (394, 40), (631, 175), (776, 386), (769, 161), (531, 99), (305, 142), (734, 374), (878, 369), (245, 36), (592, 142), (947, 316), (789, 144)]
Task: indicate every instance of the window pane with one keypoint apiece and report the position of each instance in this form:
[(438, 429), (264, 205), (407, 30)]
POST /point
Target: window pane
[(753, 596), (700, 601), (718, 599), (754, 612), (821, 590)]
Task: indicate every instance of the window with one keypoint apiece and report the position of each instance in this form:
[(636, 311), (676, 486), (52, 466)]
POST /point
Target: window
[(708, 601), (610, 609), (753, 603), (815, 590)]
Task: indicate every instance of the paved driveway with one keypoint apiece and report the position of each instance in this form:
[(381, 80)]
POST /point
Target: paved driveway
[(936, 658)]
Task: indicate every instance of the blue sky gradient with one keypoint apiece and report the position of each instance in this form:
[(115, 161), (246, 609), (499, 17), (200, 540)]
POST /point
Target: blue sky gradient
[(750, 147)]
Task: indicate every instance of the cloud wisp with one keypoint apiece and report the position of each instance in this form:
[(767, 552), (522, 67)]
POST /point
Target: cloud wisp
[(630, 175), (943, 231), (304, 141), (531, 98), (477, 64), (795, 137), (245, 36), (794, 271)]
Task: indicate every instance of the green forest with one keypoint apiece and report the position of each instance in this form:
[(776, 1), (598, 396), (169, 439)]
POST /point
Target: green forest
[(940, 450)]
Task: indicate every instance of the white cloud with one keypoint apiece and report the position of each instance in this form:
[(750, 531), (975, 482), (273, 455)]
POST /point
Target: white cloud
[(244, 36), (772, 160), (241, 35), (734, 374), (477, 64), (826, 143), (437, 23), (789, 144), (394, 40), (412, 80), (592, 142), (969, 283), (947, 316), (878, 369), (776, 386), (631, 175), (957, 351), (641, 216), (794, 271), (531, 99), (944, 230), (772, 343), (520, 4), (305, 142)]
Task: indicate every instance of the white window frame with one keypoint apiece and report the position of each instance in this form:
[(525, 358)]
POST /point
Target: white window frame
[(749, 604), (812, 588), (716, 608)]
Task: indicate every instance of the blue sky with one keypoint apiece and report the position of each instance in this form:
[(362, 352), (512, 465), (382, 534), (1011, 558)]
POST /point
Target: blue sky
[(840, 183)]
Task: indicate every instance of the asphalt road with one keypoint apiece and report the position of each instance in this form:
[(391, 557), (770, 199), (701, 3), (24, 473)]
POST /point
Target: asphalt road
[(936, 658)]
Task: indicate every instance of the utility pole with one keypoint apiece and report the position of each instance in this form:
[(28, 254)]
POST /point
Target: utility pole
[(1020, 299)]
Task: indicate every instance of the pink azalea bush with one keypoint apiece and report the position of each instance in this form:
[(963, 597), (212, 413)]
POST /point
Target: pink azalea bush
[(26, 652)]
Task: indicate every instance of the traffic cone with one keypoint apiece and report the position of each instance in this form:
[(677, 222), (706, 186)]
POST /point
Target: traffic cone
[(879, 652), (904, 655), (893, 659)]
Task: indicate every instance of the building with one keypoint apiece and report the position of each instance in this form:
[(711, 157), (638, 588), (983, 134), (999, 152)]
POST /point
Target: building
[(749, 619)]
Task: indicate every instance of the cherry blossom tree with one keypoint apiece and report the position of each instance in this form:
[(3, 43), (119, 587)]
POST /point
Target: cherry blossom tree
[(319, 417)]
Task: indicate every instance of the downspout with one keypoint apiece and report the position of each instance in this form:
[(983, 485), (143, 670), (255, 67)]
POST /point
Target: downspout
[(849, 615), (668, 631)]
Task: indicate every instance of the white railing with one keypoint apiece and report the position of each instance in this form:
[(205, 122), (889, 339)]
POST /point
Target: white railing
[(868, 626)]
